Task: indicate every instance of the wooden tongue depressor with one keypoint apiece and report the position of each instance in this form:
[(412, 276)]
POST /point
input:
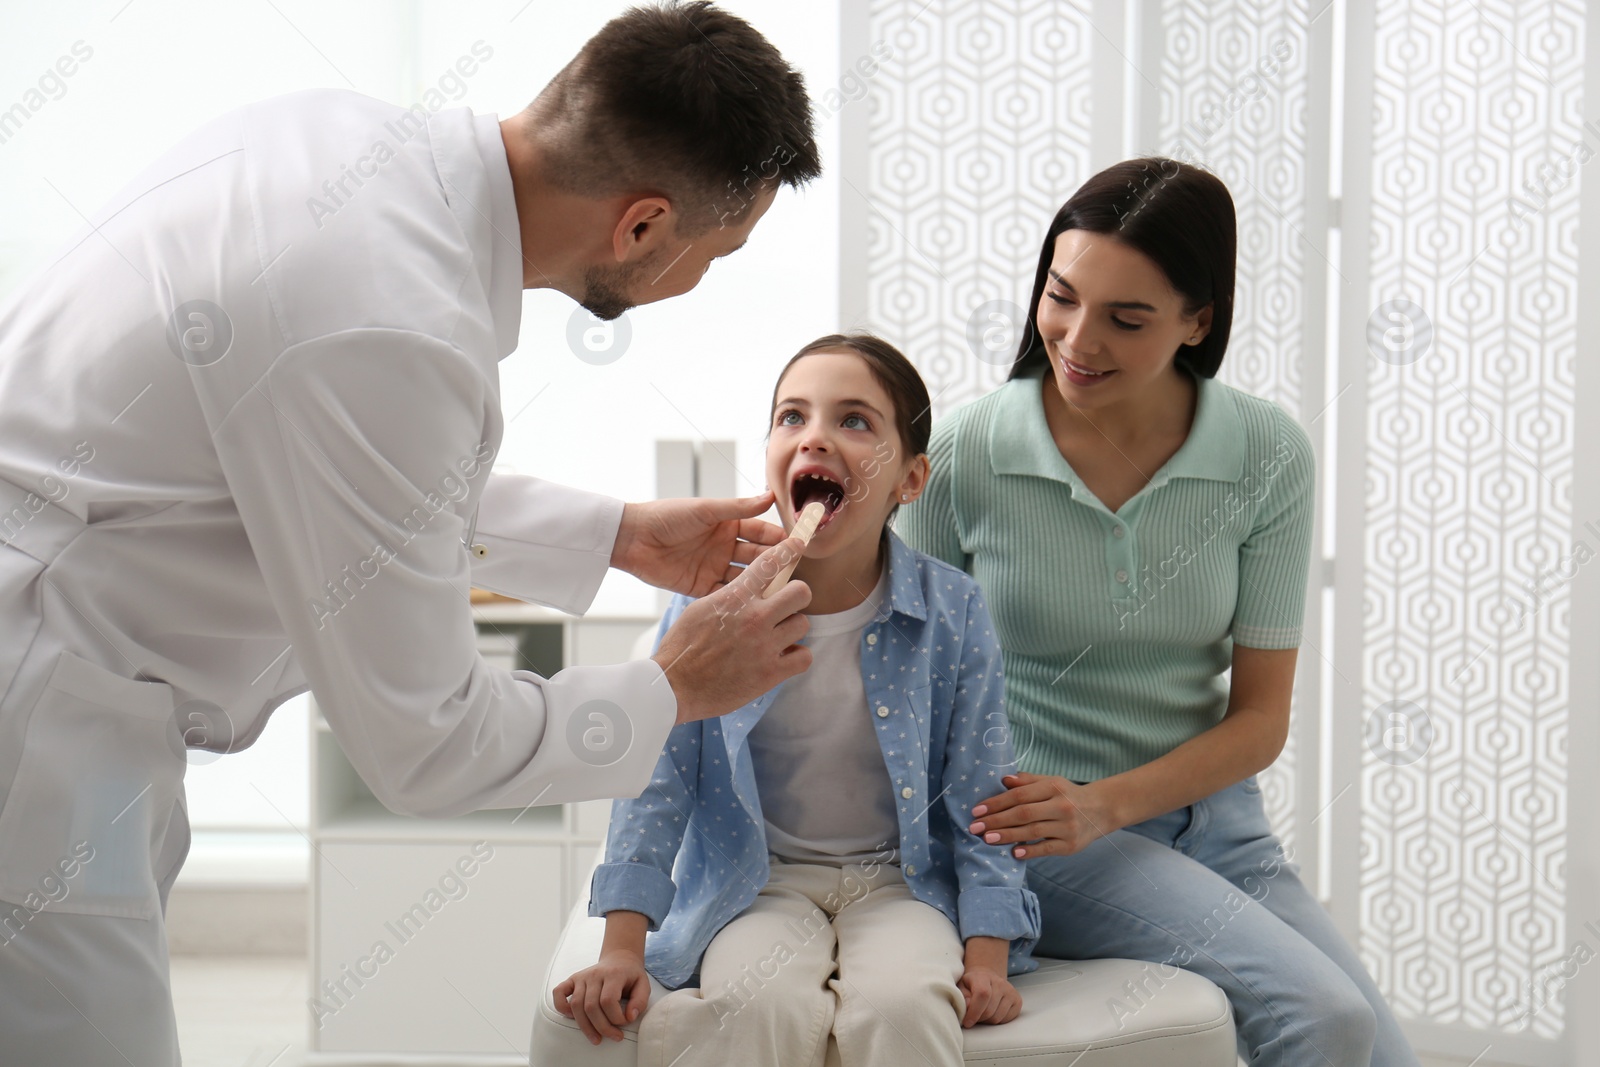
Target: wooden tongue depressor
[(805, 527)]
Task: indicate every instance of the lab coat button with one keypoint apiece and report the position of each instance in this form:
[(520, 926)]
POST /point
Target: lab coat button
[(908, 792), (883, 712)]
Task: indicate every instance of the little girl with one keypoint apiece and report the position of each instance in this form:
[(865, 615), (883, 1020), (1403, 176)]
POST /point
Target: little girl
[(824, 880)]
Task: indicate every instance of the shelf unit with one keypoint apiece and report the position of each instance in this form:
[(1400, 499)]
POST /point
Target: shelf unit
[(430, 937)]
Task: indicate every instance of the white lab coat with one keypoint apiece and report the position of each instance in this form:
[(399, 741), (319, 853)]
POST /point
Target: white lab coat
[(181, 533)]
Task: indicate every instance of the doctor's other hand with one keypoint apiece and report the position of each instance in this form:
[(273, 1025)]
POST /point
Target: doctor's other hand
[(729, 647), (691, 546), (606, 997)]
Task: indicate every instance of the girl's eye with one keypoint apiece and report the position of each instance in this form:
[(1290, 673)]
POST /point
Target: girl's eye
[(1064, 301), (864, 424), (1130, 326), (783, 416)]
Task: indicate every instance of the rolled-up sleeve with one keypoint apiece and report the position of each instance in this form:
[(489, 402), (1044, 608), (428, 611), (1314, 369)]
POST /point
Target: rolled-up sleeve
[(1011, 912)]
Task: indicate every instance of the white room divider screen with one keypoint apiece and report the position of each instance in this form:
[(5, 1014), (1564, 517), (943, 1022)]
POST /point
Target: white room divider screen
[(1409, 180)]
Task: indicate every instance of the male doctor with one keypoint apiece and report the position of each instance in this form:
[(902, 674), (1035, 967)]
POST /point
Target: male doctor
[(246, 431)]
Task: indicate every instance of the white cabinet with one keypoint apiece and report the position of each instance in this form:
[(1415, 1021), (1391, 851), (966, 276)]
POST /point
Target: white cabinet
[(414, 955), (430, 937)]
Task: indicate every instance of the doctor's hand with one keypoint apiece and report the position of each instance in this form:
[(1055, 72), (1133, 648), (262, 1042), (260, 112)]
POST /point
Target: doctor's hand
[(690, 546), (729, 647)]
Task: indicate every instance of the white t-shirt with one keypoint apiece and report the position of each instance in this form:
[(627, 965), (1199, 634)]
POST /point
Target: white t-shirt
[(825, 791)]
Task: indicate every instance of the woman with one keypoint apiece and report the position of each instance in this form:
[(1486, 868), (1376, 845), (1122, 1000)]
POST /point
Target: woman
[(1138, 529)]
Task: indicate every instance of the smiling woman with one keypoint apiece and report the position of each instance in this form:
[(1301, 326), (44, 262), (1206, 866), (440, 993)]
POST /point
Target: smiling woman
[(1074, 495)]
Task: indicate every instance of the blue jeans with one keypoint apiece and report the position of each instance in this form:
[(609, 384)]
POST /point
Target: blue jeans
[(1207, 888)]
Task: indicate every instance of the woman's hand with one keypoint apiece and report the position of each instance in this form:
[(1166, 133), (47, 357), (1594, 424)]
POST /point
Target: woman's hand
[(593, 997), (1056, 816)]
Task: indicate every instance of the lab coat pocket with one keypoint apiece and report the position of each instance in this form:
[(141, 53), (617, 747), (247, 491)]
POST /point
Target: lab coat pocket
[(93, 795)]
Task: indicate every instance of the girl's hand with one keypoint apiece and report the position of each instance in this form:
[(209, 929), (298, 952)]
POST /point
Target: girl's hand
[(1055, 815), (990, 997), (596, 995)]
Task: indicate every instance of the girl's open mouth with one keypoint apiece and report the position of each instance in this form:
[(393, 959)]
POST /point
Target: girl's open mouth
[(814, 486)]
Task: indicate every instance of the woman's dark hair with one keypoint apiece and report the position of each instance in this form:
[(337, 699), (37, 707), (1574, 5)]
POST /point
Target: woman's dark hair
[(684, 98), (1181, 218), (889, 368)]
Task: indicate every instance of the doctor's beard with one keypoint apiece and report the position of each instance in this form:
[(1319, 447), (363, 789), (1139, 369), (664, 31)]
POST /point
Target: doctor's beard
[(605, 290)]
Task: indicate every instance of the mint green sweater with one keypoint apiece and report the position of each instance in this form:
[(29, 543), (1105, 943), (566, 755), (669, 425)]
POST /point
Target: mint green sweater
[(1117, 628)]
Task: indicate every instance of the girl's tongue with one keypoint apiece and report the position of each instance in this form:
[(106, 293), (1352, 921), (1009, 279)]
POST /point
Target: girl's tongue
[(809, 487)]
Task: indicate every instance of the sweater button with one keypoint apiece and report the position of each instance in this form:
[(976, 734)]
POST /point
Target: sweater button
[(872, 639), (908, 792), (1122, 575), (911, 871), (883, 712), (1117, 532)]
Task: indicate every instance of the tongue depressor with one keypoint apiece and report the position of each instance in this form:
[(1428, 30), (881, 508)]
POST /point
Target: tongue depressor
[(805, 527)]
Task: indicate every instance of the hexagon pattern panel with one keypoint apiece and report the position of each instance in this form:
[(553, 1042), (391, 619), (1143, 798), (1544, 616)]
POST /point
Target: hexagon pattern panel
[(1232, 86), (979, 132), (1470, 540), (979, 129)]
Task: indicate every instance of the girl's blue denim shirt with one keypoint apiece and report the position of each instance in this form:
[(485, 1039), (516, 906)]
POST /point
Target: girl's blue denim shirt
[(930, 665)]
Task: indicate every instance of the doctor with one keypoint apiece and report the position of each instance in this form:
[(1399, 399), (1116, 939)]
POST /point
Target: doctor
[(246, 431)]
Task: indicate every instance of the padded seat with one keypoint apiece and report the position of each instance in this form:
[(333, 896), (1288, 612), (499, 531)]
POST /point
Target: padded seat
[(1184, 1020)]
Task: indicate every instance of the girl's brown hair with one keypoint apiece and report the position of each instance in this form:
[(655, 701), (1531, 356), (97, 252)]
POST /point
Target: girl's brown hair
[(890, 369)]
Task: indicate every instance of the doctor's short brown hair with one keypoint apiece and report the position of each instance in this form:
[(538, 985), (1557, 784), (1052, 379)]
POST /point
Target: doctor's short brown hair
[(682, 100)]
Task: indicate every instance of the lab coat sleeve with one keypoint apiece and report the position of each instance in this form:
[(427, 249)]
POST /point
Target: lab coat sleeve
[(346, 460), (547, 543)]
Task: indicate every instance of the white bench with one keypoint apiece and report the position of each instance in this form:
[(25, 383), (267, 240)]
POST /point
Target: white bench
[(1184, 1020)]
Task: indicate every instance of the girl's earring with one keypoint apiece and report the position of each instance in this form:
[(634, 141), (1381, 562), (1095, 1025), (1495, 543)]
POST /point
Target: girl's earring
[(905, 498)]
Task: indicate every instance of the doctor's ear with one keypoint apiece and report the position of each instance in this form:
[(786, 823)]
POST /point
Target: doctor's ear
[(644, 224)]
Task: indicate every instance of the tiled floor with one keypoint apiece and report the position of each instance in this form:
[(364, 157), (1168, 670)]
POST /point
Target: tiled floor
[(240, 1011)]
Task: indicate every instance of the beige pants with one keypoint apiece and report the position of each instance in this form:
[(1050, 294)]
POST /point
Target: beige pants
[(777, 981)]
